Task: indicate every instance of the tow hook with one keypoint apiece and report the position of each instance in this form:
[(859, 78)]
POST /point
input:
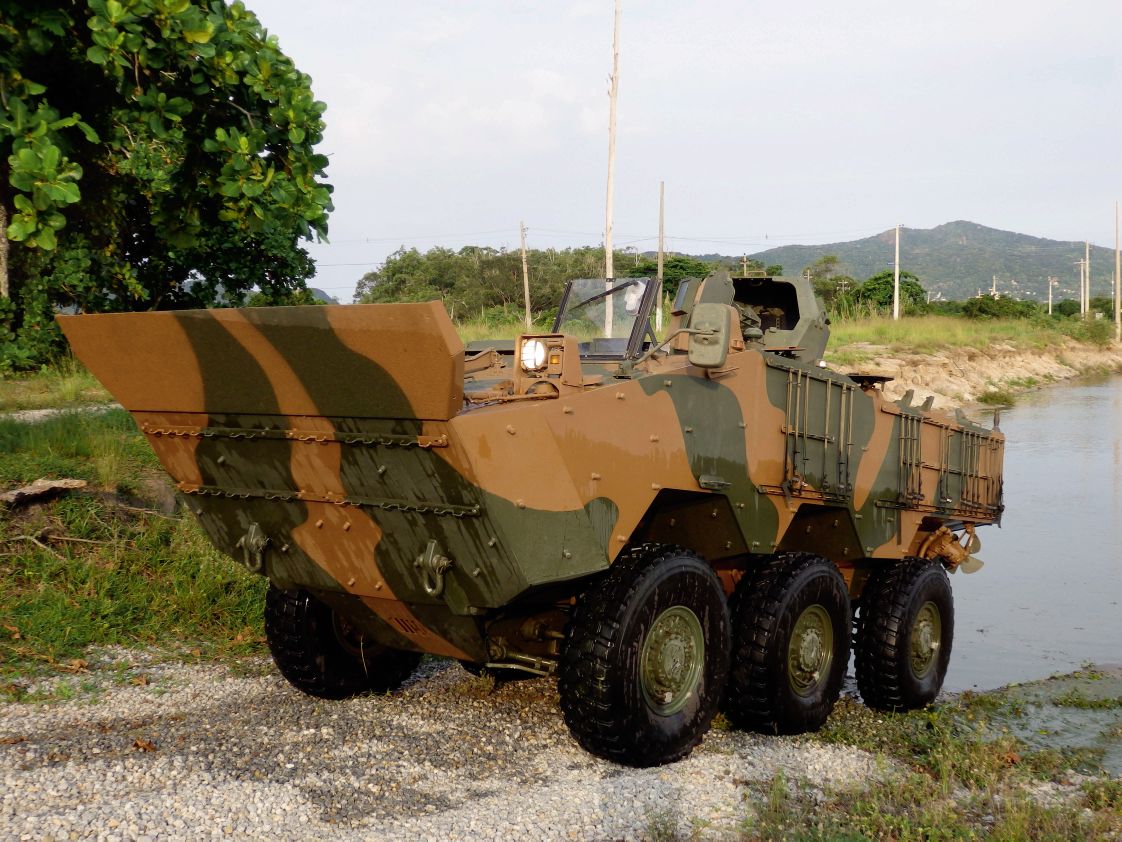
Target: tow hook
[(433, 566), (253, 545)]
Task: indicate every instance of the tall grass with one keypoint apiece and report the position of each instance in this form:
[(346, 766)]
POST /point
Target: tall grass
[(925, 334), (87, 570), (101, 447), (66, 383)]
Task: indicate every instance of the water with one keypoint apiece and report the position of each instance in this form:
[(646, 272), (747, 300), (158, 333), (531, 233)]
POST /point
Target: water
[(1050, 596)]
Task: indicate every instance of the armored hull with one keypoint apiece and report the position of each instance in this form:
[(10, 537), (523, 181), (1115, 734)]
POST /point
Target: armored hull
[(463, 502)]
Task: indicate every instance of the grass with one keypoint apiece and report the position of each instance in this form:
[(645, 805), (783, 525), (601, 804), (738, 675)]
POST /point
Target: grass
[(952, 779), (67, 383), (86, 570)]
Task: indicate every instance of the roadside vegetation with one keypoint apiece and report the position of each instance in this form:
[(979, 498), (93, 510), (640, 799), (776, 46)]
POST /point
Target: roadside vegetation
[(112, 564)]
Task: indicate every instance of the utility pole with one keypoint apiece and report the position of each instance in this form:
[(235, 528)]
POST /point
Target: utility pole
[(661, 241), (1080, 264), (613, 96), (1087, 274), (993, 288), (744, 266), (1051, 283), (525, 277), (1117, 280), (896, 278)]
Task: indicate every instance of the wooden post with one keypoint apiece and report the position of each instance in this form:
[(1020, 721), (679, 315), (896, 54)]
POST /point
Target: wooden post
[(661, 241), (525, 278), (613, 97), (1117, 280), (896, 279), (1087, 276)]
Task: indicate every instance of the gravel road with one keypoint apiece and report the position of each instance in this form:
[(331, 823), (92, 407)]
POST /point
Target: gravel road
[(148, 748)]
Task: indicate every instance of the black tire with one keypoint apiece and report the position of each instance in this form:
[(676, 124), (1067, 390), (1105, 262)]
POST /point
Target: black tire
[(791, 631), (638, 698), (902, 655), (319, 654)]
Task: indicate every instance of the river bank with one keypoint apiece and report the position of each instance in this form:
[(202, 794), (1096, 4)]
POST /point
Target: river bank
[(962, 376)]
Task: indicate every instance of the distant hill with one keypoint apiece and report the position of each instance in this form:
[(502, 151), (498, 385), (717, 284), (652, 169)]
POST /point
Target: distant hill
[(958, 259)]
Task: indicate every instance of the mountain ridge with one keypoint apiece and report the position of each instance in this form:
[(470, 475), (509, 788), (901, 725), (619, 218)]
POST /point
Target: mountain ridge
[(958, 259)]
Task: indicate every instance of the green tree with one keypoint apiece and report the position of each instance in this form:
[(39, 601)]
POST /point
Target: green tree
[(775, 270), (674, 269), (153, 154), (988, 307), (878, 292)]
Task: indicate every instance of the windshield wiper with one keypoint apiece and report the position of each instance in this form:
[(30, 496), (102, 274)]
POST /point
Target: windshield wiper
[(601, 295)]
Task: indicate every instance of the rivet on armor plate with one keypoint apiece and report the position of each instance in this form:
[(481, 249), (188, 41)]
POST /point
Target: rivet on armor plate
[(381, 469), (808, 530), (713, 513), (351, 582), (319, 524), (566, 554), (689, 429), (284, 548), (667, 383), (755, 543), (655, 486), (520, 504), (728, 545), (476, 571), (510, 429), (620, 396), (594, 475), (492, 542), (377, 586), (568, 410), (622, 539), (347, 526), (740, 505), (742, 425), (654, 438), (221, 460)]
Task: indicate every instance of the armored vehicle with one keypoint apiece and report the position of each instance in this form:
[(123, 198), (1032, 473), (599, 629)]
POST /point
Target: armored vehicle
[(671, 526)]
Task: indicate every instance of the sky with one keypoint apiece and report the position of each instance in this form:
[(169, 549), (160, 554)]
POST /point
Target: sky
[(448, 123)]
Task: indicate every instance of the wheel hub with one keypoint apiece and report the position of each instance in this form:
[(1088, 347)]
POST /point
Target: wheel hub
[(671, 661), (927, 637), (810, 651)]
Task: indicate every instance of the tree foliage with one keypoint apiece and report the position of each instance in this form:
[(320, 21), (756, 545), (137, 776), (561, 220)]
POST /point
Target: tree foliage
[(988, 307), (878, 291), (153, 154), (475, 280)]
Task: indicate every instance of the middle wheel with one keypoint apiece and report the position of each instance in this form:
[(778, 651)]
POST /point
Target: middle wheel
[(791, 621), (646, 657)]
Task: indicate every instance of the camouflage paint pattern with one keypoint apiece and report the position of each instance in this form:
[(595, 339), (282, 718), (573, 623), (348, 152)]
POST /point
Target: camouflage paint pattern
[(345, 450)]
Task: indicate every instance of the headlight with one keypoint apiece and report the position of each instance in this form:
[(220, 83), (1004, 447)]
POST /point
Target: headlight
[(533, 355)]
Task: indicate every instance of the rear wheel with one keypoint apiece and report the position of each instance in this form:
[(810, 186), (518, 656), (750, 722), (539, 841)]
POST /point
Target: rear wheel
[(646, 658), (322, 654), (904, 633), (791, 627)]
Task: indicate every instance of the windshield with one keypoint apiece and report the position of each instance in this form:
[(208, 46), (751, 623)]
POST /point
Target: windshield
[(603, 315)]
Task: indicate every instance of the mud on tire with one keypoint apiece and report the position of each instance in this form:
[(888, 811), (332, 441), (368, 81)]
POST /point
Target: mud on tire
[(789, 616), (904, 631), (312, 651), (646, 657)]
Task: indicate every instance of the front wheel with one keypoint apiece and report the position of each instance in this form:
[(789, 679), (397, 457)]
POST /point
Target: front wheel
[(791, 623), (904, 632), (320, 653), (646, 658)]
